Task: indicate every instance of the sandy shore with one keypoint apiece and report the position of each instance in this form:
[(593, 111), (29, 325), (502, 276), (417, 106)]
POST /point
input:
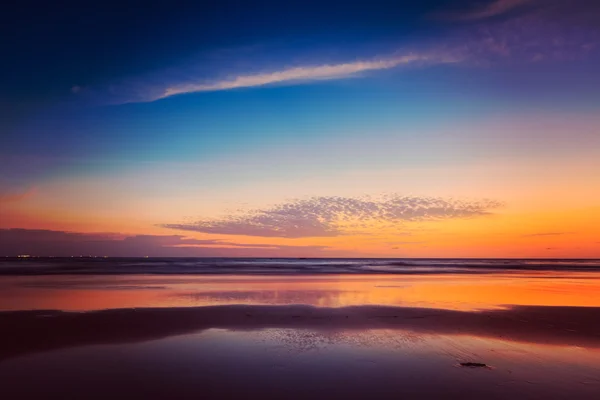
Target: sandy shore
[(20, 334), (234, 337), (273, 352)]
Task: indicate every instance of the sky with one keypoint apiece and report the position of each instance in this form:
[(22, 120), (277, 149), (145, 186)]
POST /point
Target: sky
[(425, 128)]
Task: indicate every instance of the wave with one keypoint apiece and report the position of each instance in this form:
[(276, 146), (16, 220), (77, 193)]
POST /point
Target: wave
[(280, 266)]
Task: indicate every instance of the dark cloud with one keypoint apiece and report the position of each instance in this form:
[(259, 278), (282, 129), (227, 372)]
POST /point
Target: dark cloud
[(327, 216), (59, 243)]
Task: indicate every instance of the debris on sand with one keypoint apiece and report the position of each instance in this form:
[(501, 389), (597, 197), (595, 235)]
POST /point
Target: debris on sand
[(473, 365)]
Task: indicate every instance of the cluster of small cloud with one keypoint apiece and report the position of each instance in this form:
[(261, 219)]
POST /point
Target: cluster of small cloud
[(495, 31), (331, 216)]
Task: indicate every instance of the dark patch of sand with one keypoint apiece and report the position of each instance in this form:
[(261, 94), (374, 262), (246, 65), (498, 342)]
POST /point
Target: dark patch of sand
[(24, 332)]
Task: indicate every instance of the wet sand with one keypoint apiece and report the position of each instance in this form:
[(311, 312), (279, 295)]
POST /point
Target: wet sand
[(285, 350), (448, 291), (562, 326)]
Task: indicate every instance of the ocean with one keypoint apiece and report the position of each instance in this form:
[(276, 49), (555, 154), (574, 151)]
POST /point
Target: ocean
[(282, 266)]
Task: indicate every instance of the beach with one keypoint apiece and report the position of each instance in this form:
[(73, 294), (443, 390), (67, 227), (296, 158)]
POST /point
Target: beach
[(296, 200), (502, 334)]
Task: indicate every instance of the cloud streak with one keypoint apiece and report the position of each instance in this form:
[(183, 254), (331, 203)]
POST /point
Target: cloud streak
[(7, 196), (492, 9), (295, 74), (533, 31), (334, 216), (545, 234), (190, 79)]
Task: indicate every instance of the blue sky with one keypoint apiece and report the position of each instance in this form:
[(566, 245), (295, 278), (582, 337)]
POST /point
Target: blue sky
[(176, 106)]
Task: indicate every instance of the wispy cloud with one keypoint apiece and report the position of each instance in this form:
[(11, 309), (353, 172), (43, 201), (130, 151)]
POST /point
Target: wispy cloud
[(401, 245), (490, 9), (332, 216), (544, 234), (533, 31), (7, 196), (528, 38), (305, 73)]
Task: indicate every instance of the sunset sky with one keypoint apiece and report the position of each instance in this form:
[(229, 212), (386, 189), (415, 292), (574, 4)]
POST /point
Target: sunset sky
[(425, 128)]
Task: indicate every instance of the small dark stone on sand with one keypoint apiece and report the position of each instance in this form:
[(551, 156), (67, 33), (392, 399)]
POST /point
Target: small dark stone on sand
[(473, 365)]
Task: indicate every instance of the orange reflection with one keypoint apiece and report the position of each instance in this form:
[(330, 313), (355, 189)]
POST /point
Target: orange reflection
[(455, 292)]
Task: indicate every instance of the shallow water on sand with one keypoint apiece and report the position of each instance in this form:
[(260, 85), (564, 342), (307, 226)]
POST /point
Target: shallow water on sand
[(352, 336), (447, 291), (299, 363)]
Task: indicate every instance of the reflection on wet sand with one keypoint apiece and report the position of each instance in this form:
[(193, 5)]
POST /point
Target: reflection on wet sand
[(301, 336), (455, 292), (289, 363), (567, 326)]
